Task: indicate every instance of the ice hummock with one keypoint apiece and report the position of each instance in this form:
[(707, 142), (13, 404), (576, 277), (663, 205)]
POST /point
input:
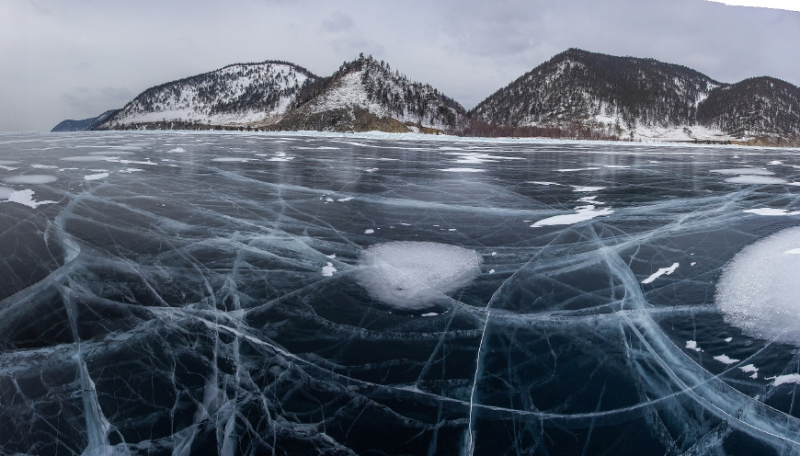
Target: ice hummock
[(412, 275), (758, 291)]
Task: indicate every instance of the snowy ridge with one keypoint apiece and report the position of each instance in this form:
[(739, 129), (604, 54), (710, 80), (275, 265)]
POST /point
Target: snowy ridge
[(368, 85), (238, 94)]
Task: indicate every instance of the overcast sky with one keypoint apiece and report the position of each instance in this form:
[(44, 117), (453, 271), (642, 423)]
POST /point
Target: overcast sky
[(77, 58)]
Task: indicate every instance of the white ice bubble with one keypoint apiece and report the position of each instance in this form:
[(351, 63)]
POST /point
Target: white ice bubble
[(30, 179), (411, 275), (758, 291), (369, 231)]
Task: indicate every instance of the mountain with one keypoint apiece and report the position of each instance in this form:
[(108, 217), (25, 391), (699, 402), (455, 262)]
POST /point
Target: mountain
[(763, 107), (85, 124), (616, 95), (576, 94), (366, 95), (362, 95), (244, 94)]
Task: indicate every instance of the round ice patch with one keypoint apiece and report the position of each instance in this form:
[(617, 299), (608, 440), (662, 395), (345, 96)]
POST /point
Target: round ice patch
[(411, 275), (759, 291)]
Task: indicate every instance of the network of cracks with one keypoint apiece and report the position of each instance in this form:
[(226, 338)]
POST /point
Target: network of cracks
[(193, 293)]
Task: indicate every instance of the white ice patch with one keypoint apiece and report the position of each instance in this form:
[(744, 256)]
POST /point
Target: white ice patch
[(750, 369), (463, 170), (25, 197), (91, 177), (793, 252), (89, 158), (369, 231), (758, 291), (771, 212), (328, 270), (744, 171), (725, 359), (543, 183), (344, 200), (787, 379), (582, 214), (587, 189), (661, 272), (231, 159), (37, 166), (30, 179), (728, 339), (692, 345), (572, 170), (7, 168), (411, 275), (759, 180), (177, 150), (775, 162)]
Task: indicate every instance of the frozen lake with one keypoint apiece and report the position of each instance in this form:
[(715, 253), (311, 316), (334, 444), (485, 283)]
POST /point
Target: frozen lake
[(168, 293)]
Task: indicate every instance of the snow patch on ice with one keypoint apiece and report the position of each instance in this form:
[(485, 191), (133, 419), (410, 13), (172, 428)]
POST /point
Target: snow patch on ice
[(411, 275), (661, 272), (369, 231), (725, 359), (758, 289), (692, 345), (787, 379), (744, 171), (771, 212), (30, 179), (463, 170), (760, 180), (91, 177), (328, 270), (572, 170), (582, 214), (24, 197)]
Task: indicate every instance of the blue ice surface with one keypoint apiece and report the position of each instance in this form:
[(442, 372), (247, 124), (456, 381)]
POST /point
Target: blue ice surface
[(236, 293)]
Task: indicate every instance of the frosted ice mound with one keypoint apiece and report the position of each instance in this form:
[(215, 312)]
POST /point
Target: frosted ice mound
[(759, 291), (411, 275)]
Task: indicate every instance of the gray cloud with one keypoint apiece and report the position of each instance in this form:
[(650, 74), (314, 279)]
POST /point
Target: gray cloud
[(466, 48)]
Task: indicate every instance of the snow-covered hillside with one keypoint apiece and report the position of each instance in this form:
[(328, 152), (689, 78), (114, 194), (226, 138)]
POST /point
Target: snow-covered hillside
[(240, 94), (618, 96), (366, 93)]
